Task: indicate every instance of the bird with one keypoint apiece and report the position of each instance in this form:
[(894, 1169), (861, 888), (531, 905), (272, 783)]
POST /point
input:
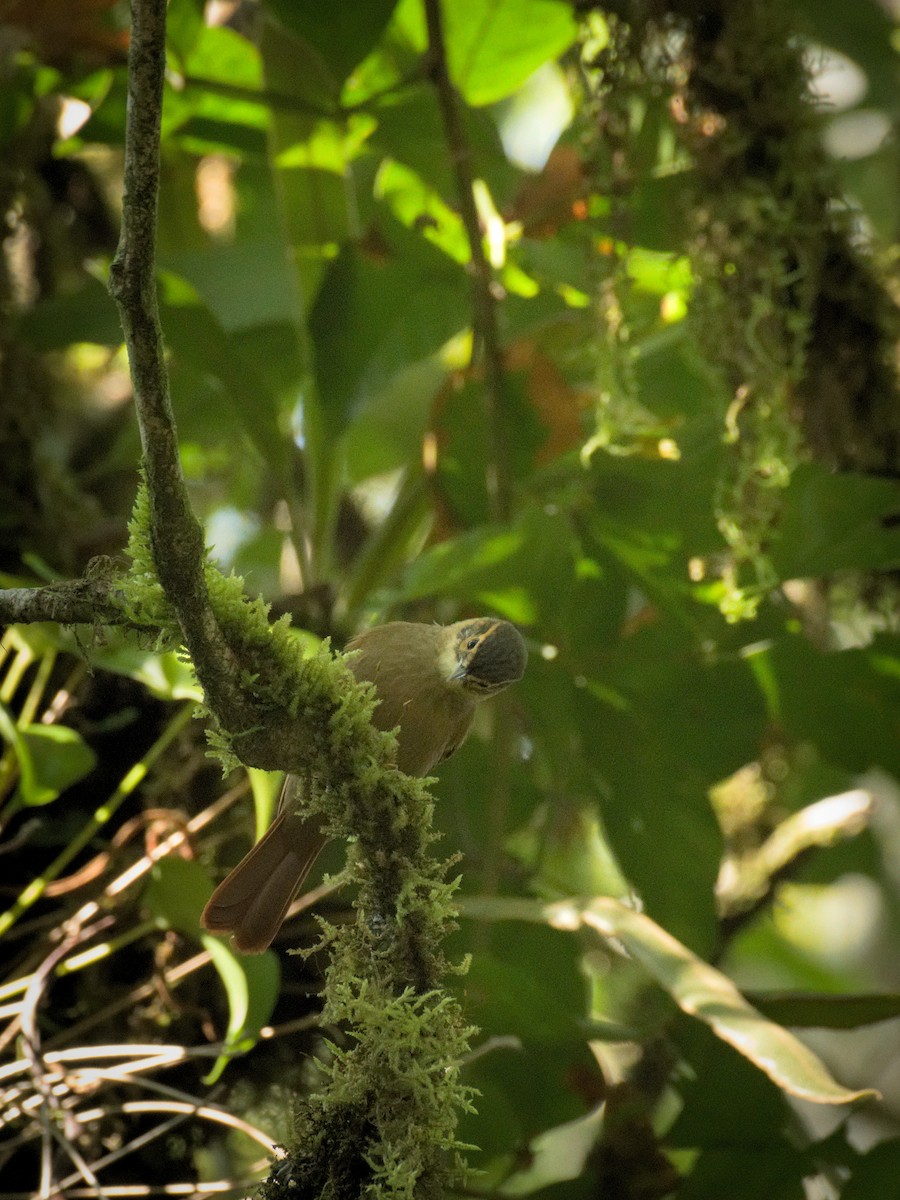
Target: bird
[(428, 681)]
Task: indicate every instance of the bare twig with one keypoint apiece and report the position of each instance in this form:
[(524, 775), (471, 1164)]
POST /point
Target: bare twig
[(484, 303)]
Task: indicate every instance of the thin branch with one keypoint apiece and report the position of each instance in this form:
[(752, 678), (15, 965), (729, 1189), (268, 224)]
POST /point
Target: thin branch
[(76, 602), (484, 302), (176, 535)]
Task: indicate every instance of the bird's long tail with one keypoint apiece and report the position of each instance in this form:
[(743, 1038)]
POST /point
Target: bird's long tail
[(251, 902)]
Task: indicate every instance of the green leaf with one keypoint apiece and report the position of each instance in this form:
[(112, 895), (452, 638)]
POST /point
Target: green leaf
[(205, 351), (474, 559), (748, 1174), (838, 522), (168, 675), (184, 26), (378, 311), (556, 1155), (177, 892), (51, 758), (60, 757), (705, 993), (411, 131), (696, 987), (494, 45), (507, 998), (843, 702), (252, 984), (342, 34)]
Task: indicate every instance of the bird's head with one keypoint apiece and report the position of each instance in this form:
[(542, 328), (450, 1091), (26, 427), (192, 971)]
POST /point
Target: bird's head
[(483, 656)]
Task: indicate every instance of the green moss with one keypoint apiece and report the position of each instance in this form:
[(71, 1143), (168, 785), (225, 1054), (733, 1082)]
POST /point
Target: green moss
[(383, 1122), (140, 592), (789, 322)]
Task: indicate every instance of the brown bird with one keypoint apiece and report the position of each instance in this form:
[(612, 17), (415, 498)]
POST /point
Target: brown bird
[(428, 679)]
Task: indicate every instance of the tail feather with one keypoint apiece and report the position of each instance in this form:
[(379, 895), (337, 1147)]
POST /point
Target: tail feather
[(251, 902)]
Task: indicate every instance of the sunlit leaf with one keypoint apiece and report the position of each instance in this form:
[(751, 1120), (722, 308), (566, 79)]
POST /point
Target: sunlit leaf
[(167, 675), (252, 984), (494, 45), (707, 994), (51, 758), (696, 987)]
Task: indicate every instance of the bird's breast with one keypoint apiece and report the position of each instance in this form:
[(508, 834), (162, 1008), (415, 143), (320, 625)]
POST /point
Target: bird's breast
[(433, 718)]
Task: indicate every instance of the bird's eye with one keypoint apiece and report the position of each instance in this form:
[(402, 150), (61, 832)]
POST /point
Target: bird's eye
[(471, 643)]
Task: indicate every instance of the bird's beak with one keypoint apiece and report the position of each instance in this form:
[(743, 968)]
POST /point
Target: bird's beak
[(458, 674)]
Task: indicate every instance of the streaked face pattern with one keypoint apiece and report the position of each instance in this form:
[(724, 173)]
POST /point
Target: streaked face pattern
[(490, 655)]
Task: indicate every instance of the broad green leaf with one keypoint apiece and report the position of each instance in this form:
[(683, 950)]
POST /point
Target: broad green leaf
[(556, 1155), (463, 428), (252, 984), (521, 570), (176, 893), (184, 26), (726, 1100), (696, 987), (483, 557), (51, 758), (748, 1174), (837, 522), (312, 149), (203, 348), (211, 135), (494, 45), (843, 701), (505, 998), (705, 993), (410, 130), (168, 676), (59, 756), (342, 34), (380, 309), (526, 992), (568, 852)]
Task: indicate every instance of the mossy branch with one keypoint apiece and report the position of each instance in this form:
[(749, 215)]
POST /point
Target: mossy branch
[(383, 1123)]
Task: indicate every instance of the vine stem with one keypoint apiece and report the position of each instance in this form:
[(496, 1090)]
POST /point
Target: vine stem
[(484, 301)]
